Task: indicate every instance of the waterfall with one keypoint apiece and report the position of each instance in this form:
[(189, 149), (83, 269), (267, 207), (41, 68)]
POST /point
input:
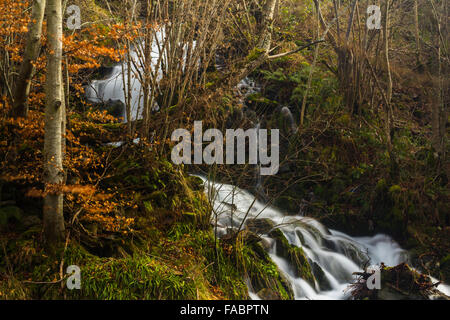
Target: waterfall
[(245, 88), (289, 119), (115, 85), (338, 255), (335, 254)]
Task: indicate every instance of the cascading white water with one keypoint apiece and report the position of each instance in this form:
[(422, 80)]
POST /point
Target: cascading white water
[(115, 87), (337, 254)]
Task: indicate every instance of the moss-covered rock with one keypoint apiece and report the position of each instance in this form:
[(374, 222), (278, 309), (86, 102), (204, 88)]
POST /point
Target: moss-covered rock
[(260, 226), (257, 266), (294, 255), (268, 294), (301, 264), (403, 283), (282, 245), (445, 268), (322, 280), (196, 183)]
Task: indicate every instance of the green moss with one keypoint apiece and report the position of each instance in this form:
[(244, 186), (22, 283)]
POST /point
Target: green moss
[(301, 264), (395, 189), (258, 98), (282, 244), (195, 183), (294, 255), (444, 266), (262, 272), (287, 203), (255, 54), (137, 277)]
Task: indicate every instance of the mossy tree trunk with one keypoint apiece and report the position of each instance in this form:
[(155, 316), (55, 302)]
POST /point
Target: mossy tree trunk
[(32, 48), (264, 43), (439, 114)]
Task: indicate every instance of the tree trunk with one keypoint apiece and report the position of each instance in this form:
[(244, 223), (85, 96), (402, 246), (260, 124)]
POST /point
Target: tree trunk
[(263, 45), (440, 99), (32, 48), (389, 113), (308, 85), (53, 167), (438, 109), (416, 32)]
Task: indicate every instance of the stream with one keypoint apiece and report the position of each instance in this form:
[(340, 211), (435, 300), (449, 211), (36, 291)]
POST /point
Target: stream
[(338, 255)]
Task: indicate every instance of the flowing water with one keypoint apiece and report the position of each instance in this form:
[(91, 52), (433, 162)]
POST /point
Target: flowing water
[(120, 80), (337, 254)]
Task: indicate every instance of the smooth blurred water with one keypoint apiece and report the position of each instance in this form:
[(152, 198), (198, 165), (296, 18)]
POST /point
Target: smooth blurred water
[(338, 254)]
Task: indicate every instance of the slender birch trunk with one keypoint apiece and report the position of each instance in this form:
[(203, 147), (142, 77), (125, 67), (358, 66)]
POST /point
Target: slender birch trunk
[(32, 48), (438, 112), (264, 42), (389, 113), (416, 32), (308, 85), (53, 167)]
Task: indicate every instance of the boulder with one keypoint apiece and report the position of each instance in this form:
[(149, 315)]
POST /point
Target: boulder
[(260, 226), (268, 294), (322, 280), (295, 255)]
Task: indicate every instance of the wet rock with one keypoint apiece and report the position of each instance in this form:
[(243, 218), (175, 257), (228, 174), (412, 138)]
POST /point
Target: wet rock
[(354, 253), (321, 278), (268, 294), (281, 243), (260, 226), (287, 285), (300, 264), (329, 244), (251, 238), (295, 255), (300, 236), (265, 243), (104, 72), (398, 283), (115, 107)]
